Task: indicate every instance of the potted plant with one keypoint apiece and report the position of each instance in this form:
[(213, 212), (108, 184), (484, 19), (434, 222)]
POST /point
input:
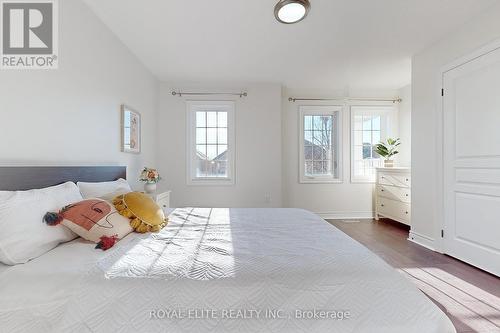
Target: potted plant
[(150, 177), (388, 150)]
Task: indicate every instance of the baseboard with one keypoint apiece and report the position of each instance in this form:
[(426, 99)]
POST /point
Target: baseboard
[(422, 240), (345, 215)]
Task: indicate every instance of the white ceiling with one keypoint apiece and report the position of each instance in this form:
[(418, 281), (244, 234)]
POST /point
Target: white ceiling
[(356, 44)]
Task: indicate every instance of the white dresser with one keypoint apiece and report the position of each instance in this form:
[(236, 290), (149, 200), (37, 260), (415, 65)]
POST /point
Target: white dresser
[(161, 198), (393, 194)]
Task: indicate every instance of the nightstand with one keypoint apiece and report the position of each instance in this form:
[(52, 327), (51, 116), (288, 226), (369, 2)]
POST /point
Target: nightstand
[(161, 198)]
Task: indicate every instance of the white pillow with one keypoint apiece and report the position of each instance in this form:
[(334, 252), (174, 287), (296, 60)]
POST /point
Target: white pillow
[(104, 189), (24, 235)]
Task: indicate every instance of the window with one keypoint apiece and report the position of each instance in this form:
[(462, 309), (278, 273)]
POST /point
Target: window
[(319, 144), (369, 126), (211, 143)]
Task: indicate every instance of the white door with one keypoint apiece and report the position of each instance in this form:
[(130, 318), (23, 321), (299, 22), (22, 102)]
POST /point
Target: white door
[(471, 138)]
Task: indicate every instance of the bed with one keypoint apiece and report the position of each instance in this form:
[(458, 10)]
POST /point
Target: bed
[(217, 270)]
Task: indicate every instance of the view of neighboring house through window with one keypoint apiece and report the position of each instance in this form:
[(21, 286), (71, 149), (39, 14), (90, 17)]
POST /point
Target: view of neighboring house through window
[(318, 144), (369, 126), (211, 141), (319, 151), (211, 144)]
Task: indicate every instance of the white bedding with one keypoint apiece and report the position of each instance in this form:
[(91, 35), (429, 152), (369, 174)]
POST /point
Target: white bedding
[(225, 264)]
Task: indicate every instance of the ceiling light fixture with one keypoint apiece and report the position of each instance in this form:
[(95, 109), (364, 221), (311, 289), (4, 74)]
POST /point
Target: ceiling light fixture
[(291, 11)]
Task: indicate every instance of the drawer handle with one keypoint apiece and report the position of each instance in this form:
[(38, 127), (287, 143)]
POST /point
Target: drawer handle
[(165, 206), (406, 179), (406, 194), (382, 190), (406, 213), (382, 205)]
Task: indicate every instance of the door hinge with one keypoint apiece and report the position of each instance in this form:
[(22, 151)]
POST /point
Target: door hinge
[(442, 233), (442, 92)]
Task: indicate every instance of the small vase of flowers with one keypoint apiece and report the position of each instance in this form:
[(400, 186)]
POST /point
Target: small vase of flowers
[(387, 151), (150, 177)]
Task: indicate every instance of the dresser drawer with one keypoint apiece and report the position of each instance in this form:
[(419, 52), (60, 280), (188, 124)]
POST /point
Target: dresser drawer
[(395, 193), (163, 200), (394, 179), (397, 210)]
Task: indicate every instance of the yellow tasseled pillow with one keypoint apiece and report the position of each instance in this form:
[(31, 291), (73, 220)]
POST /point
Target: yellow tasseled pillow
[(144, 214)]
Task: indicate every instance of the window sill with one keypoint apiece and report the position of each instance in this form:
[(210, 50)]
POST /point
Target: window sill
[(320, 181), (210, 182)]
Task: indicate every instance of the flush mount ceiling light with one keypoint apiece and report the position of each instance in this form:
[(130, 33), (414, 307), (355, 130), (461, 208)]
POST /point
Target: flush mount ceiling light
[(291, 11)]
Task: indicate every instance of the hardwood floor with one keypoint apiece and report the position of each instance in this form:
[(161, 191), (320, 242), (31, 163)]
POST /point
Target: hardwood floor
[(469, 296)]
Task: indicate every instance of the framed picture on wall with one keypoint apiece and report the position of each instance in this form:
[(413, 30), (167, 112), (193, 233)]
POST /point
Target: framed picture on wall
[(131, 130)]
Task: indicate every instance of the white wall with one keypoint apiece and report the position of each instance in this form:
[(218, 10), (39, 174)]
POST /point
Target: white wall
[(404, 156), (72, 115), (257, 155), (345, 200), (426, 223)]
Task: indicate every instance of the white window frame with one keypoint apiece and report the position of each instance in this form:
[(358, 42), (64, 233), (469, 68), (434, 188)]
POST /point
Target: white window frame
[(387, 112), (316, 110), (196, 106)]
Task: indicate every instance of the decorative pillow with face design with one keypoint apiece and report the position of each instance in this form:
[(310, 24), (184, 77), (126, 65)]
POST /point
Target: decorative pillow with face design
[(95, 220)]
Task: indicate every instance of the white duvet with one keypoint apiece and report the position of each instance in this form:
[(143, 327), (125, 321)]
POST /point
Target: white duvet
[(217, 270)]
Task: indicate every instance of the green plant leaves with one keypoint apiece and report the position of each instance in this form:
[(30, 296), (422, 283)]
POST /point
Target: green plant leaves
[(387, 150)]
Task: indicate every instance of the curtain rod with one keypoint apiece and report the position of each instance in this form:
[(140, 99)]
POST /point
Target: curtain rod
[(241, 94), (346, 99)]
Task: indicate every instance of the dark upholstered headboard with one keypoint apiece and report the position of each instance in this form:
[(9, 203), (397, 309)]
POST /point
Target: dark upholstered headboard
[(14, 178)]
